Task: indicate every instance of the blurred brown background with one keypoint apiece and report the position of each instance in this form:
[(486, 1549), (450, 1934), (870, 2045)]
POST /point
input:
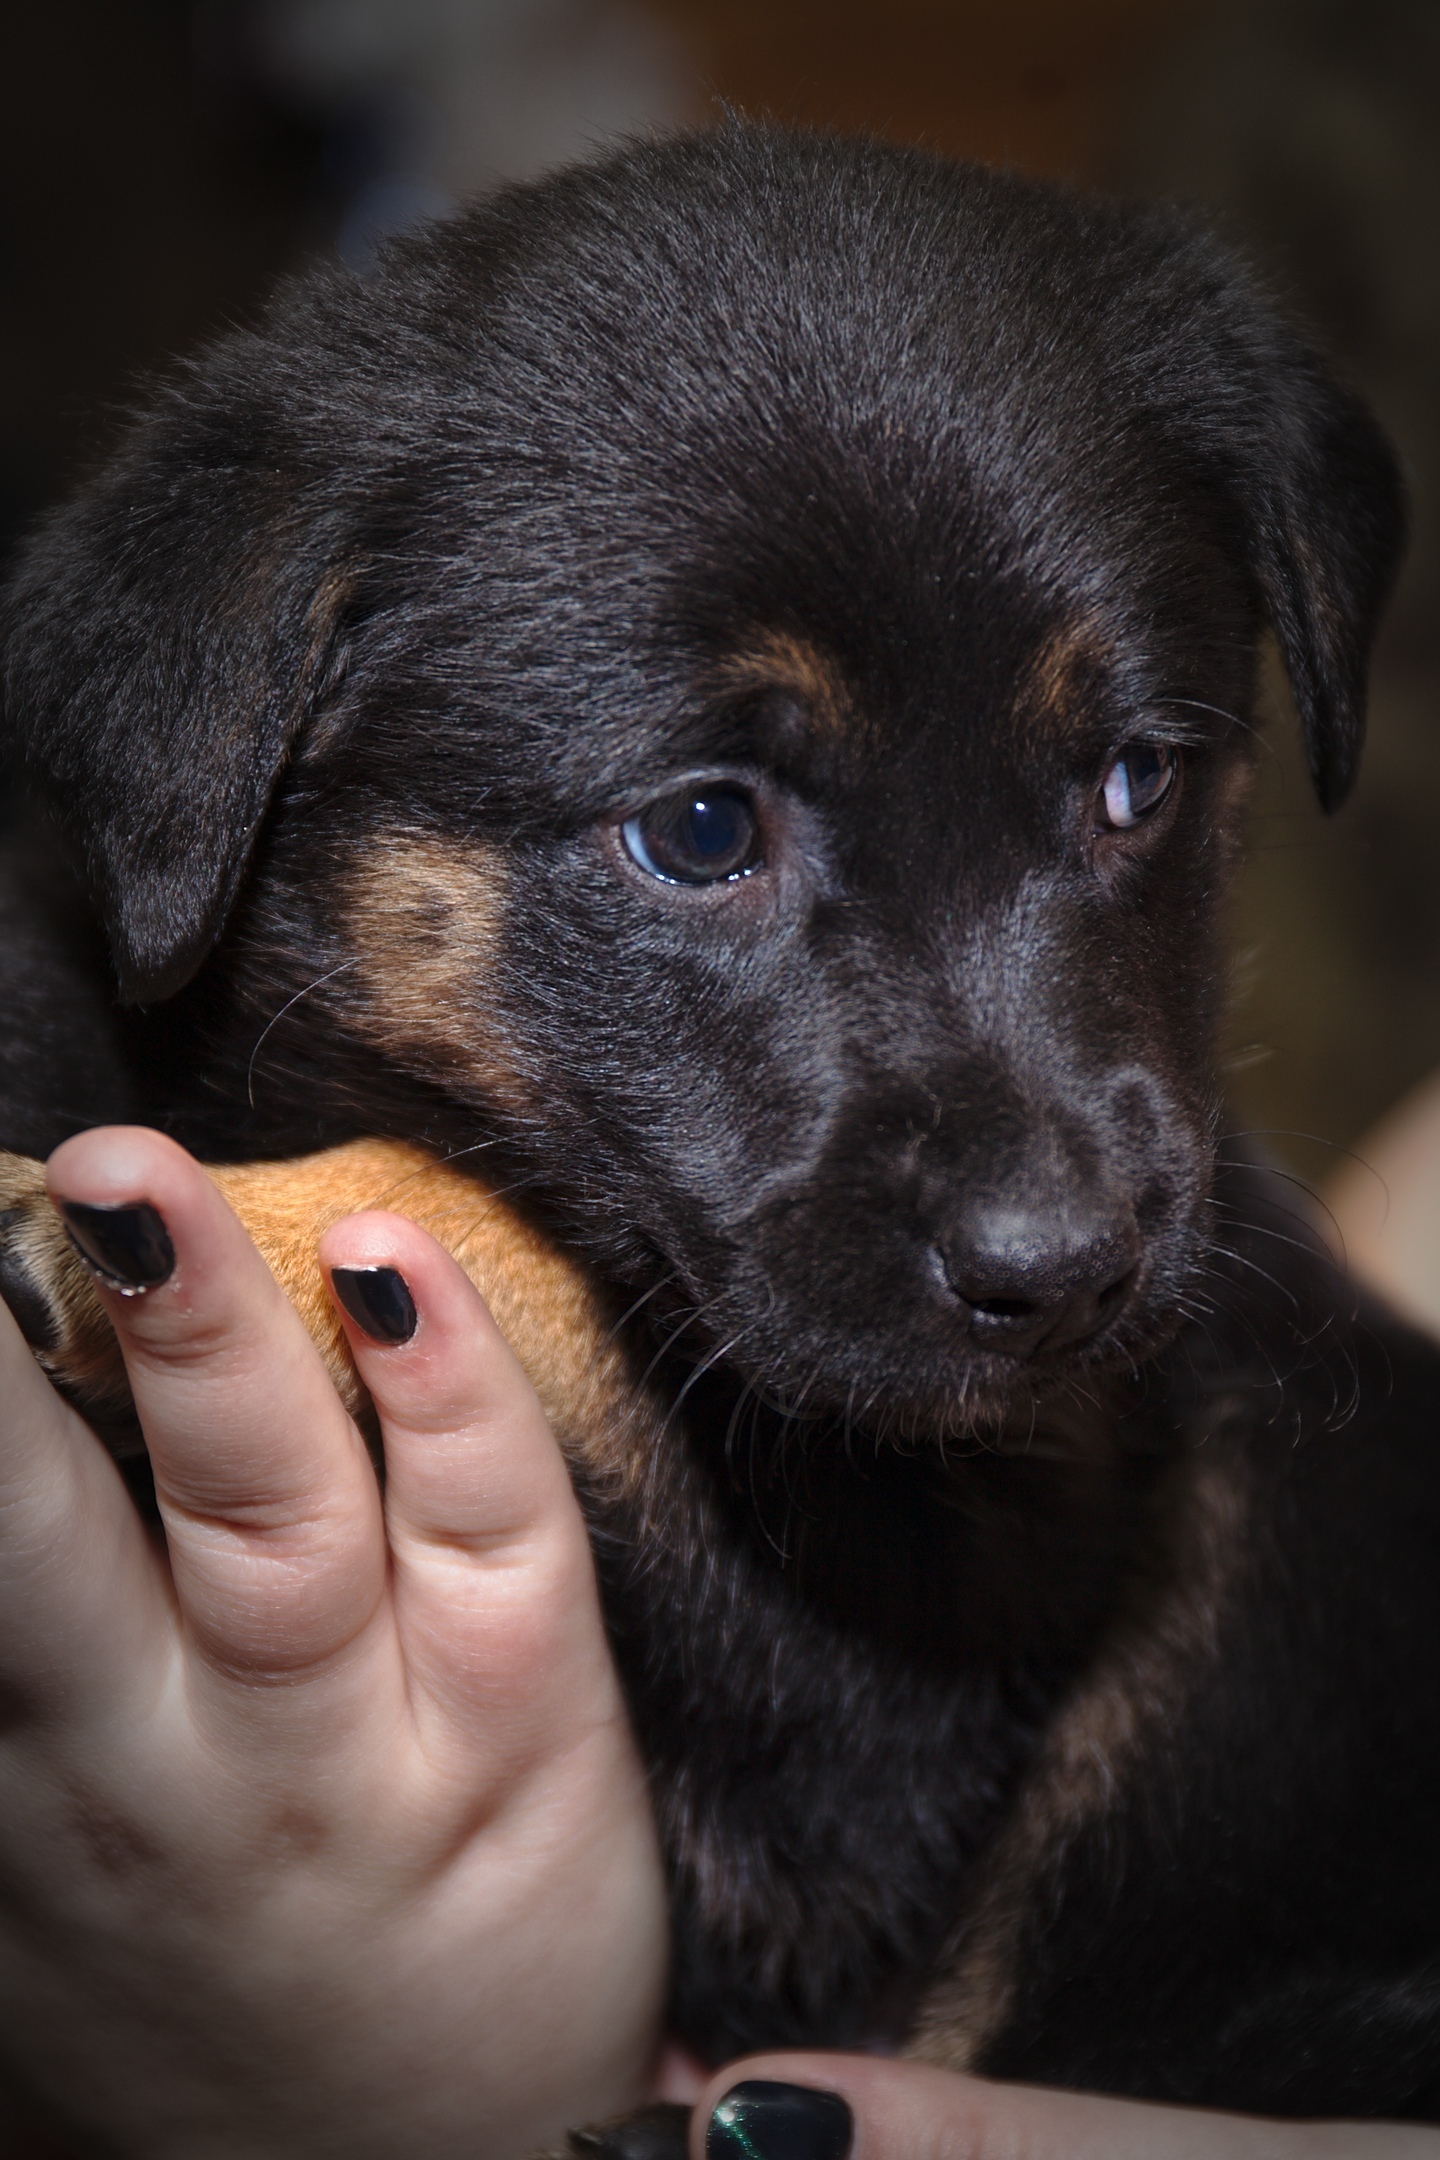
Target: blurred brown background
[(161, 161)]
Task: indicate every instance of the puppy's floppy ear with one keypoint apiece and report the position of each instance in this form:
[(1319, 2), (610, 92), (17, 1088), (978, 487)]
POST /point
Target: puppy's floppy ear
[(1324, 510), (165, 638)]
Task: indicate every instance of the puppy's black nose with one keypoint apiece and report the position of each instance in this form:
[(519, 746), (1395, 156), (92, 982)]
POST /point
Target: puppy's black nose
[(1031, 1278)]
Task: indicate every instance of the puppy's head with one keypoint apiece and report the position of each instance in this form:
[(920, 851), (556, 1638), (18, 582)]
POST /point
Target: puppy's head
[(734, 665)]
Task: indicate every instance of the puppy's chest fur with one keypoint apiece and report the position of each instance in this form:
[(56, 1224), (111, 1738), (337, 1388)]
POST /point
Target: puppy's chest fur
[(840, 1661)]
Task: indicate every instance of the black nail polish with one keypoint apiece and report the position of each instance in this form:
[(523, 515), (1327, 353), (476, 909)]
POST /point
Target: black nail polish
[(377, 1299), (763, 2121), (129, 1248)]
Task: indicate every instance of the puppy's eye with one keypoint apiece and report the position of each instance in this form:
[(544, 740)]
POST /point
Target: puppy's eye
[(697, 837), (1137, 783)]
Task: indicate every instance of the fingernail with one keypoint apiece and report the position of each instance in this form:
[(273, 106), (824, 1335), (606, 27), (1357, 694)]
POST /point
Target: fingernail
[(129, 1248), (763, 2121), (377, 1299)]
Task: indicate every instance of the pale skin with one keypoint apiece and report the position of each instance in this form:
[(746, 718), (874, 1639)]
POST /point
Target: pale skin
[(326, 1834), (324, 1831)]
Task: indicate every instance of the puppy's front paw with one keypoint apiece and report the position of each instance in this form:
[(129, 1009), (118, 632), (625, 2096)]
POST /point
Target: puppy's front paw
[(48, 1289), (655, 2133)]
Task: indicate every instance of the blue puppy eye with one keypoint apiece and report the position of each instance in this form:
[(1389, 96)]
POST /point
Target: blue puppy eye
[(697, 837), (1137, 783)]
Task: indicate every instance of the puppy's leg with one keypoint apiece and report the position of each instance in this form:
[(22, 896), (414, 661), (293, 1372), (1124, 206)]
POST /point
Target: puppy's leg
[(50, 1292), (542, 1301)]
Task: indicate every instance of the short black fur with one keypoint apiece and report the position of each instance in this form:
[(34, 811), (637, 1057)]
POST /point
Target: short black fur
[(902, 498)]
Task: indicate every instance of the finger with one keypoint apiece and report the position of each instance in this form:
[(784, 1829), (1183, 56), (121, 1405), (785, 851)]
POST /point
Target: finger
[(494, 1585), (82, 1609), (860, 2107), (270, 1506)]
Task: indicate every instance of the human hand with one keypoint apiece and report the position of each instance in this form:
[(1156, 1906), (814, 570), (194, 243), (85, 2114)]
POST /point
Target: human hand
[(1381, 1209), (860, 2107), (323, 1827)]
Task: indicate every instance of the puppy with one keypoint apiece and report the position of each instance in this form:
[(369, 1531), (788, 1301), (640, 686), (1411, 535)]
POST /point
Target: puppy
[(690, 734)]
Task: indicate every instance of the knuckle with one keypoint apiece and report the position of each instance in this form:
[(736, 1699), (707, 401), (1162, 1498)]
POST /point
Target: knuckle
[(171, 1335)]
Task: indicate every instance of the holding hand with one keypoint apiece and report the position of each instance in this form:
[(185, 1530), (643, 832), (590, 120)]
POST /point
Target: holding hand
[(324, 1825)]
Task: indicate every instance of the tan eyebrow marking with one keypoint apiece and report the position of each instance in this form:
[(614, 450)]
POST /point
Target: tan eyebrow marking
[(780, 660), (1067, 665)]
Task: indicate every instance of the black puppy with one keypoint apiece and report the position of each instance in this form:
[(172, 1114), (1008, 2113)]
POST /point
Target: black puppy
[(717, 688)]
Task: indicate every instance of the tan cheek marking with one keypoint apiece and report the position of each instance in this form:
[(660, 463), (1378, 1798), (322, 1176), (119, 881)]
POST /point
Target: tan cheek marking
[(1119, 1714), (542, 1301), (424, 918)]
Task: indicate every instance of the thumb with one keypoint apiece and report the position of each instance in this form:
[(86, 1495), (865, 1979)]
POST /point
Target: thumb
[(864, 2107)]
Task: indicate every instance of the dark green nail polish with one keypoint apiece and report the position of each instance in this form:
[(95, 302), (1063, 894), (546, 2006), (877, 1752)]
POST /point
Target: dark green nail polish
[(129, 1248), (377, 1299), (763, 2121)]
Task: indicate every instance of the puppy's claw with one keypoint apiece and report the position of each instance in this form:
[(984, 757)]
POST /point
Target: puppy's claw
[(29, 1307), (48, 1289)]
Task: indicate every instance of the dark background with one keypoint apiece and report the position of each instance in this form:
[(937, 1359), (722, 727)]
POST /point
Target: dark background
[(162, 161)]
